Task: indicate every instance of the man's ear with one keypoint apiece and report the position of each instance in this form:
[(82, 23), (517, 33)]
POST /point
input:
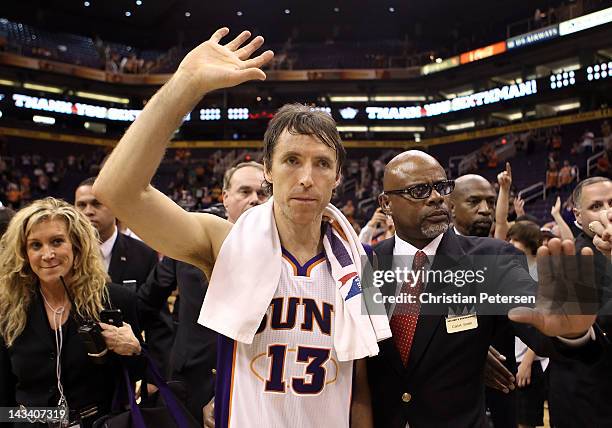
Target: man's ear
[(267, 174), (385, 204), (224, 193), (451, 206), (338, 180), (577, 214)]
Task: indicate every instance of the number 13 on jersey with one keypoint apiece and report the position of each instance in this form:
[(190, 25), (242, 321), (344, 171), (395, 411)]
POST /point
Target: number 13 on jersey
[(314, 372)]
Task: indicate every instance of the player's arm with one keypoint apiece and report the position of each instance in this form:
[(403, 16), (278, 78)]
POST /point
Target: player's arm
[(124, 182), (361, 405)]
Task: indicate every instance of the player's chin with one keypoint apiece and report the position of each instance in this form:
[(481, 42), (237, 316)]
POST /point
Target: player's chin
[(305, 213)]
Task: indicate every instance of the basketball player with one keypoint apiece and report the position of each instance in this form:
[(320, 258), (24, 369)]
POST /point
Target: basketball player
[(290, 374)]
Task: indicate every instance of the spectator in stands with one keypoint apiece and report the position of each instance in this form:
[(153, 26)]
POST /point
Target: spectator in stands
[(555, 144), (566, 176), (606, 134), (378, 228), (504, 179), (552, 179), (6, 214), (13, 196), (603, 166), (567, 214), (530, 378), (538, 18), (564, 231), (588, 143), (492, 158), (113, 61)]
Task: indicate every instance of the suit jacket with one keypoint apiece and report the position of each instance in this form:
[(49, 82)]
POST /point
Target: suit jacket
[(580, 393), (27, 367), (194, 352), (131, 260), (130, 265), (442, 384)]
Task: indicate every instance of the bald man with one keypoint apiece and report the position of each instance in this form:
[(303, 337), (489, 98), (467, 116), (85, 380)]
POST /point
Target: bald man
[(472, 205), (430, 373)]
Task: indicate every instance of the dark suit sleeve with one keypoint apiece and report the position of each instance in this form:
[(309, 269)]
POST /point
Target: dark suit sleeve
[(7, 379), (154, 293), (124, 299)]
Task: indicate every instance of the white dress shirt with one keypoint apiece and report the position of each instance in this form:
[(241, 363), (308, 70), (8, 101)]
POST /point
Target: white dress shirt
[(106, 248)]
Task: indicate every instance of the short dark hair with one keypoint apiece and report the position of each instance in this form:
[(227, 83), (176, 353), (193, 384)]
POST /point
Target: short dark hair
[(87, 182), (528, 217), (577, 194), (299, 119), (6, 214), (527, 233)]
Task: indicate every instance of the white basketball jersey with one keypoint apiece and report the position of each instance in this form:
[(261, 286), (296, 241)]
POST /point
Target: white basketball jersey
[(290, 375)]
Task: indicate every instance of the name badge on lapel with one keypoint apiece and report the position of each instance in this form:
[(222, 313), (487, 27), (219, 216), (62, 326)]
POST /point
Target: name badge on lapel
[(460, 323)]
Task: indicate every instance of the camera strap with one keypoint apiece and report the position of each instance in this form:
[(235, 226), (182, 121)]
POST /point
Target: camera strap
[(59, 342)]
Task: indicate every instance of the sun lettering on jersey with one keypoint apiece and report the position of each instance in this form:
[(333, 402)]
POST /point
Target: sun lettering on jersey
[(284, 317), (305, 369)]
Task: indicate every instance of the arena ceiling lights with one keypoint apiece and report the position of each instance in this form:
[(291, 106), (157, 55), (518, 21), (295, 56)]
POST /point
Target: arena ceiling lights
[(599, 71), (5, 82), (458, 126), (43, 88), (562, 80), (376, 98), (379, 129), (102, 97)]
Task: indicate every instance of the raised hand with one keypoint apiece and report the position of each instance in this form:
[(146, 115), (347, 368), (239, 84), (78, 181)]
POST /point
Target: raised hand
[(603, 233), (212, 65), (496, 375), (519, 206), (556, 208), (566, 303), (504, 178), (378, 219)]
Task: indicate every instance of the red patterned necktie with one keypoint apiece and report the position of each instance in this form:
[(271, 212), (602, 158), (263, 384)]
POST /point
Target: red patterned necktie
[(405, 316)]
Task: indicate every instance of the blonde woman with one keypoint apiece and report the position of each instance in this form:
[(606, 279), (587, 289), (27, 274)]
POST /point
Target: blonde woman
[(43, 360)]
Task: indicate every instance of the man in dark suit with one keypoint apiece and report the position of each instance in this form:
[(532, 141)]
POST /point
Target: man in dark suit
[(128, 261), (580, 393), (193, 355), (430, 373)]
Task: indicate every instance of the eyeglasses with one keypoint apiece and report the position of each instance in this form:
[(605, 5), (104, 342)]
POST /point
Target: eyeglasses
[(423, 190)]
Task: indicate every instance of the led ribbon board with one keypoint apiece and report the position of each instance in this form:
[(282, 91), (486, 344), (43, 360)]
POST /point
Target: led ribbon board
[(492, 96), (532, 37), (78, 109)]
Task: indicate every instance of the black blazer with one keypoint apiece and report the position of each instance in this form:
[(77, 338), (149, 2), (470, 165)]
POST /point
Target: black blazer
[(28, 366), (442, 384), (580, 394), (194, 352), (131, 262)]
